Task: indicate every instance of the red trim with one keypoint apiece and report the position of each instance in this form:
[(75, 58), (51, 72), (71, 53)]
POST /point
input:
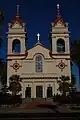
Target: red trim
[(15, 54), (51, 54), (18, 20), (40, 45), (26, 53), (57, 19)]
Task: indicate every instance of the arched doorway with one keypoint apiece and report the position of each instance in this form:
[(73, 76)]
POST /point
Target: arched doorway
[(28, 92), (49, 91)]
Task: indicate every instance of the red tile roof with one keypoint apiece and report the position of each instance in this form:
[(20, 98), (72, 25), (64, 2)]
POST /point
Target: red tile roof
[(17, 19)]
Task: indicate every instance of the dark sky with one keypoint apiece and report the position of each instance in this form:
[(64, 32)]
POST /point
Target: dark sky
[(38, 15)]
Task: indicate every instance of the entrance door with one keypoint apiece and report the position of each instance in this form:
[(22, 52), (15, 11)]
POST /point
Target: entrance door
[(39, 91), (49, 92), (28, 92)]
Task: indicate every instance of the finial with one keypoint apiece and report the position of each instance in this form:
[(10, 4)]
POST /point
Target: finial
[(57, 6), (58, 11), (17, 14), (38, 35)]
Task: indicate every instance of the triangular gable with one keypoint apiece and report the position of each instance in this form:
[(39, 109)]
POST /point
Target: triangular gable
[(16, 21), (16, 25), (59, 22), (38, 49)]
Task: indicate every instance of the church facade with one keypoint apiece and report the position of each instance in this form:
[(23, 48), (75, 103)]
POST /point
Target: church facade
[(39, 67)]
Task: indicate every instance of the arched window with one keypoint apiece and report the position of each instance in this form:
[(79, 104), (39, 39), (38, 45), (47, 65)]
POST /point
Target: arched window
[(16, 47), (39, 63), (60, 45)]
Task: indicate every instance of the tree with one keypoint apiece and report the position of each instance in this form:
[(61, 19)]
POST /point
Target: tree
[(75, 53), (15, 85), (1, 25), (3, 72), (64, 84), (4, 89), (73, 80), (1, 41)]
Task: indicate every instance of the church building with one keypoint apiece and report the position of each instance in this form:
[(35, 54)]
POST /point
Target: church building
[(38, 67)]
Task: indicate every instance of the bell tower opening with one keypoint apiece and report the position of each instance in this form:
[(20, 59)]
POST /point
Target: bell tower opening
[(60, 45), (16, 46)]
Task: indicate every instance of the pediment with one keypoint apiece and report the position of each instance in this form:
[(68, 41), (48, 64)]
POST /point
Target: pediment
[(59, 24), (38, 49), (16, 25)]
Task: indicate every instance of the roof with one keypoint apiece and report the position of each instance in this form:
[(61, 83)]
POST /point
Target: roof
[(17, 18), (38, 44)]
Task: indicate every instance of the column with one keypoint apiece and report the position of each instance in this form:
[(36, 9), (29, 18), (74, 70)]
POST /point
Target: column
[(53, 88), (32, 92), (44, 90), (23, 89)]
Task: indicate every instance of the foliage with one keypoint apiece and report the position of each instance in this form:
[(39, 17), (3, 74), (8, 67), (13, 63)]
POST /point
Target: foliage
[(75, 51), (3, 72), (4, 89), (15, 85), (73, 80), (8, 99), (1, 16), (1, 24), (1, 41), (73, 97), (61, 99), (69, 99), (64, 84)]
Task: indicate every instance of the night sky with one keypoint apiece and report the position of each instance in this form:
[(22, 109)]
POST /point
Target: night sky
[(38, 15)]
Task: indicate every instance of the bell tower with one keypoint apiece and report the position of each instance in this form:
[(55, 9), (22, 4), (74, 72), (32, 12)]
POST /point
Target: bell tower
[(16, 36), (60, 47), (16, 50), (59, 35)]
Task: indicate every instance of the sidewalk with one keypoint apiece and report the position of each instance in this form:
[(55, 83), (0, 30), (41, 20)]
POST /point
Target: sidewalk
[(22, 110)]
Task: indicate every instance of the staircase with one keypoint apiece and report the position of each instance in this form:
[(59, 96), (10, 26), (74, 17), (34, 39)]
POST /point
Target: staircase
[(33, 100)]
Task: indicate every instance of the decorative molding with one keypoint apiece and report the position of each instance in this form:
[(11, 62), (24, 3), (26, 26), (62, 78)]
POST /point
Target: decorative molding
[(61, 65), (39, 77), (16, 66), (16, 54), (59, 54)]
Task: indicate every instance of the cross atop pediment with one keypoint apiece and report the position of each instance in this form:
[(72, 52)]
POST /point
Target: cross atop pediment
[(38, 35)]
